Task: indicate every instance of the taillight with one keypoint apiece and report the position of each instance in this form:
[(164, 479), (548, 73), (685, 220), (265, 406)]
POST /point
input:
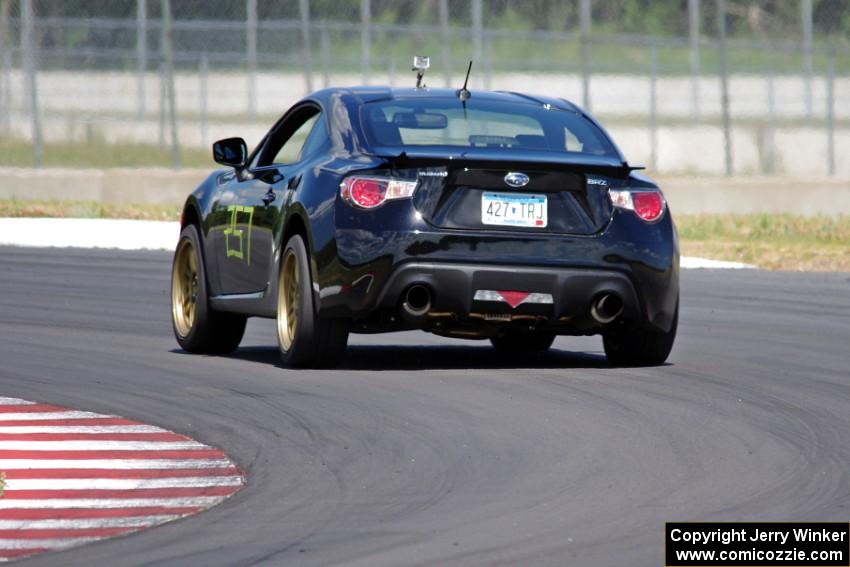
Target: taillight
[(647, 204), (371, 192)]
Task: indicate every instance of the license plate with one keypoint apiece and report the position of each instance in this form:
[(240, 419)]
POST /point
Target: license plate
[(514, 209)]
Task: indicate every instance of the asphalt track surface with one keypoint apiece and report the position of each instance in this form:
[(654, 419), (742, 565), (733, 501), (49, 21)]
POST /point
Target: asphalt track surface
[(423, 451)]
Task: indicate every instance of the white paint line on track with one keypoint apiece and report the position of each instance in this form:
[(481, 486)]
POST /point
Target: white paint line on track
[(46, 415), (84, 523), (24, 429), (58, 543), (152, 235), (89, 233), (4, 401), (692, 262), (94, 445), (123, 464), (120, 483), (107, 503)]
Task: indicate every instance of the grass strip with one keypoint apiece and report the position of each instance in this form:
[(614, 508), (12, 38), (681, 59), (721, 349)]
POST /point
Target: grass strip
[(769, 241), (88, 210)]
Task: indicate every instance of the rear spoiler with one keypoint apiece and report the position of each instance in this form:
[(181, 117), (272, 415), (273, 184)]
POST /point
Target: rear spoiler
[(515, 159)]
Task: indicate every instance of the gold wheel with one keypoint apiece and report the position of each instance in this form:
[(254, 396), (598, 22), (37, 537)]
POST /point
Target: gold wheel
[(184, 288), (288, 298)]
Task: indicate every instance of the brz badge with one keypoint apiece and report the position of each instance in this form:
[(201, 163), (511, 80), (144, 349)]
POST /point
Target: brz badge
[(516, 179)]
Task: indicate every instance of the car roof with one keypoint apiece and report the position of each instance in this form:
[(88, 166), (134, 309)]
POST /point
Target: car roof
[(365, 94), (357, 95)]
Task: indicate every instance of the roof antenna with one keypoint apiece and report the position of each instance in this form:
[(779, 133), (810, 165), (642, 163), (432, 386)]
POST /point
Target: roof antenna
[(463, 94), (421, 63)]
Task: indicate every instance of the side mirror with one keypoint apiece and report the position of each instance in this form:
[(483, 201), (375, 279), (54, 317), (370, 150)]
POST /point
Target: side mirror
[(232, 152)]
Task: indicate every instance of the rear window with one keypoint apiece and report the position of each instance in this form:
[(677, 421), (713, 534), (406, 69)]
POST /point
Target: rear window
[(483, 124)]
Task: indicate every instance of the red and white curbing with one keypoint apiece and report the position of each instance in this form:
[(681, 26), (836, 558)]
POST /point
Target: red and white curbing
[(74, 477)]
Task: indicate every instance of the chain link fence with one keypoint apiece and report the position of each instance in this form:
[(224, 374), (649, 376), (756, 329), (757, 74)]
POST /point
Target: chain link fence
[(685, 86)]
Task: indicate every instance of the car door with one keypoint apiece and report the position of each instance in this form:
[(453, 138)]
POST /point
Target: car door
[(249, 207)]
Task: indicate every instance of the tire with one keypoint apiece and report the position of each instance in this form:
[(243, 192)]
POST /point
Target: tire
[(305, 339), (516, 343), (640, 347), (197, 327)]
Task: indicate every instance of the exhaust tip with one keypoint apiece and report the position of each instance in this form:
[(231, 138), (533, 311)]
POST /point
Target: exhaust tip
[(417, 300), (606, 308)]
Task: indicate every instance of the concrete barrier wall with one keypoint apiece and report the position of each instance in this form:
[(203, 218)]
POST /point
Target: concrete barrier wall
[(110, 92), (742, 195), (136, 186), (798, 151), (685, 194), (100, 107)]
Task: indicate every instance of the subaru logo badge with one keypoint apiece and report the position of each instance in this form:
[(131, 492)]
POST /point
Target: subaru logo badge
[(516, 179)]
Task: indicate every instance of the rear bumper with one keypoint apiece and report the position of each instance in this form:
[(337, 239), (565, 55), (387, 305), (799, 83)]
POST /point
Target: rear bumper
[(567, 293), (454, 286), (372, 269)]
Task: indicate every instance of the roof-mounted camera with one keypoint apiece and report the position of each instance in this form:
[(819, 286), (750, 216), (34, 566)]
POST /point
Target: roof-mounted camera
[(421, 63)]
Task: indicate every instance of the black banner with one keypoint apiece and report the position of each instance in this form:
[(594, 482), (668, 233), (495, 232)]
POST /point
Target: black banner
[(758, 544)]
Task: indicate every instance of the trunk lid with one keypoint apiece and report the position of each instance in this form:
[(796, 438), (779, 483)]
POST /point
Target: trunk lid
[(468, 191)]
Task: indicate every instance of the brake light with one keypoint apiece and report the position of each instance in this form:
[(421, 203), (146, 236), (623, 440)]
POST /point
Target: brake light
[(649, 205), (371, 192)]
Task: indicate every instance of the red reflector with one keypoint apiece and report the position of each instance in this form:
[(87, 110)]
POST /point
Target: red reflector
[(514, 298), (367, 193), (649, 205)]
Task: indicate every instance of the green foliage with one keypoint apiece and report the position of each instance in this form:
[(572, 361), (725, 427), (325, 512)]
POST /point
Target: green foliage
[(777, 19), (621, 32), (18, 153)]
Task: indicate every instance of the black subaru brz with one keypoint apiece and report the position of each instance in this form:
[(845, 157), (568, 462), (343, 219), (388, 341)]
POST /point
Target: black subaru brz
[(483, 215)]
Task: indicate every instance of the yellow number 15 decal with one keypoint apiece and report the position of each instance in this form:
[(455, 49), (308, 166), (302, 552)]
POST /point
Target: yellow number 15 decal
[(235, 241)]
